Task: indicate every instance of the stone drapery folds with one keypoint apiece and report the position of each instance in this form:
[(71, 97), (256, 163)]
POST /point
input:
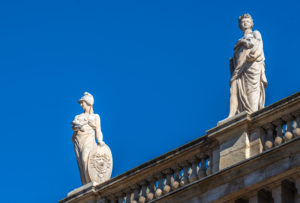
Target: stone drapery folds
[(248, 79), (94, 159)]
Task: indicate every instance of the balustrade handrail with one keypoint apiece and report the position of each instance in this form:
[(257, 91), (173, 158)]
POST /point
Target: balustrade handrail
[(277, 123), (261, 117), (159, 169)]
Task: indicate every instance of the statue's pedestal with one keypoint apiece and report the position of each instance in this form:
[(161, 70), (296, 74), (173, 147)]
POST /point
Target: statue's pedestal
[(83, 194), (233, 137), (230, 120), (82, 188)]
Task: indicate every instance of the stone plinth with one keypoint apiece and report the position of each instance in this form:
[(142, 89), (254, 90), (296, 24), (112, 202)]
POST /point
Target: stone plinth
[(233, 138)]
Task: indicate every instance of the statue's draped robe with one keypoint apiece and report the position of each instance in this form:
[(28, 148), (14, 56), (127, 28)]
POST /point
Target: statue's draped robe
[(249, 73), (84, 142)]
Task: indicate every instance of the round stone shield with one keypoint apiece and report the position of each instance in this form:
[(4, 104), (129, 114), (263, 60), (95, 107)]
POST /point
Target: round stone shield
[(100, 164)]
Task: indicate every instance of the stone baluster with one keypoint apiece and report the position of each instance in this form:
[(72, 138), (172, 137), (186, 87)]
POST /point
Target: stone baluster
[(159, 189), (176, 178), (209, 168), (151, 189), (297, 126), (202, 170), (185, 176), (269, 137), (279, 132), (143, 194), (128, 198), (289, 127), (136, 193), (194, 162), (167, 183)]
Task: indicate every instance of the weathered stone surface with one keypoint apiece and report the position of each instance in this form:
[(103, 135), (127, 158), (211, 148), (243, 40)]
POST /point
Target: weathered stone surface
[(255, 173), (256, 146), (82, 188), (233, 138), (94, 159), (234, 150), (247, 67), (243, 179), (100, 164)]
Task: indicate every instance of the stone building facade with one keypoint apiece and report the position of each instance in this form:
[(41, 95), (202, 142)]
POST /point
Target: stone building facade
[(251, 158)]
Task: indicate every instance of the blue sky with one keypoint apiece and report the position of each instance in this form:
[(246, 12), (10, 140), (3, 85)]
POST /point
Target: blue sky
[(158, 71)]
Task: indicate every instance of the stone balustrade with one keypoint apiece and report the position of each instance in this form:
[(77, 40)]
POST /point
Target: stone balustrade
[(158, 177), (244, 136), (278, 123), (281, 130), (234, 141), (162, 182)]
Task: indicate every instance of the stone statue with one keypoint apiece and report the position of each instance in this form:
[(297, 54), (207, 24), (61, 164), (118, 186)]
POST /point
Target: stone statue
[(247, 67), (94, 159)]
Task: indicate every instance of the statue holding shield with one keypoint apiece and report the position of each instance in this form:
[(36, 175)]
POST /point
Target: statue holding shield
[(94, 159)]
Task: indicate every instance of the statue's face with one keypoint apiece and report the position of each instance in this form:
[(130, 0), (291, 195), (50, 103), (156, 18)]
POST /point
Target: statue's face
[(246, 23), (84, 106)]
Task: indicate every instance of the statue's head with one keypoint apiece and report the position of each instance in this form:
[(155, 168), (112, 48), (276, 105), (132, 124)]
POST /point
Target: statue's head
[(245, 22), (87, 102)]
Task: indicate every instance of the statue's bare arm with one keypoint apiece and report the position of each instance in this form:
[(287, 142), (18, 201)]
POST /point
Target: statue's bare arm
[(99, 135)]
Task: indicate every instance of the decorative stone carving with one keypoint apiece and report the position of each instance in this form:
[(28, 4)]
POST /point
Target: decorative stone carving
[(247, 67), (94, 159), (100, 164)]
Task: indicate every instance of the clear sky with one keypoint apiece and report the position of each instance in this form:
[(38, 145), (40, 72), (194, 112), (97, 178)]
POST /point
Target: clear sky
[(158, 71)]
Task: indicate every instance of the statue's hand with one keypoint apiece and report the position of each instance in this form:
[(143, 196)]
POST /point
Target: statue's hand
[(245, 42)]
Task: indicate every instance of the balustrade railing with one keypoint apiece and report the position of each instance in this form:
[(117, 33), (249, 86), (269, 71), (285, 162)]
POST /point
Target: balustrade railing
[(278, 123), (280, 130), (160, 176), (270, 127), (164, 181)]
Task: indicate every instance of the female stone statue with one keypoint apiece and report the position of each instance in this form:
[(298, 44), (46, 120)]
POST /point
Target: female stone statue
[(248, 80), (94, 159)]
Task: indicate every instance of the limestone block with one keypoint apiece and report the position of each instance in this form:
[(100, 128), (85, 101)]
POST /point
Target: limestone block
[(215, 160), (234, 150), (256, 146)]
